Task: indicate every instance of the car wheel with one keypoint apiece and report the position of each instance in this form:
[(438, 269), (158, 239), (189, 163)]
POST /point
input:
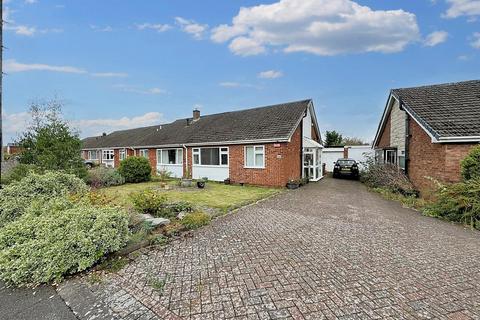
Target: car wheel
[(89, 166)]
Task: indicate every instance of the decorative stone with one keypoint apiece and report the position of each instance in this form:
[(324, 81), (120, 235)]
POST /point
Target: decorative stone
[(158, 221)]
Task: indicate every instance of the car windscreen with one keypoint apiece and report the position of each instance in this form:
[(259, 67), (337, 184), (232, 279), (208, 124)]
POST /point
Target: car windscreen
[(346, 162)]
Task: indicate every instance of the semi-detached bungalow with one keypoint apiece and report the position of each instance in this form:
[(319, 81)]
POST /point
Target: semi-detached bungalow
[(428, 130), (263, 146)]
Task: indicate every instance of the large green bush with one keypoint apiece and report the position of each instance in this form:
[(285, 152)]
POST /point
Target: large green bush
[(58, 237), (471, 165), (17, 196), (135, 169), (104, 177), (19, 172), (459, 202)]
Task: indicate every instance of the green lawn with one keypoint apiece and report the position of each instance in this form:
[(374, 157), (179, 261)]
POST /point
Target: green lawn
[(215, 195)]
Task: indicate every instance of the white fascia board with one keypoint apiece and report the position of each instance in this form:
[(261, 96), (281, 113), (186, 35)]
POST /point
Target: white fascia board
[(386, 111)]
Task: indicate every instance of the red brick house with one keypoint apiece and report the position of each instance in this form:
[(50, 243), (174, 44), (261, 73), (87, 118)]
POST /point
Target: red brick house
[(428, 130), (263, 146)]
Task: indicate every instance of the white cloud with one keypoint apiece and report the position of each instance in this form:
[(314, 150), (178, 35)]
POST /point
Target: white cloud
[(16, 123), (110, 74), (233, 84), (30, 1), (135, 89), (270, 74), (101, 29), (21, 29), (435, 38), (154, 26), (322, 27), (475, 40), (191, 27), (459, 8), (12, 66), (92, 127)]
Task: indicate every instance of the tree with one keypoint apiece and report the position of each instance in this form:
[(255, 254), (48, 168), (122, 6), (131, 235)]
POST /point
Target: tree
[(353, 141), (333, 138), (49, 142)]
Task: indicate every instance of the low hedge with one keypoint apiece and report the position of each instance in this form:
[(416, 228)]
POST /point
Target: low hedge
[(58, 237)]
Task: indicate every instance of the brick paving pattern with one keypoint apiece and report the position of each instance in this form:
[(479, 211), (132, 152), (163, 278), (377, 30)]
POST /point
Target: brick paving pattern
[(330, 250)]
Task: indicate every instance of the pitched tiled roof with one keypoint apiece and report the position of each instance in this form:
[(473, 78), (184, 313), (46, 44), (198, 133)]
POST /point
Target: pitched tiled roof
[(275, 122), (445, 110)]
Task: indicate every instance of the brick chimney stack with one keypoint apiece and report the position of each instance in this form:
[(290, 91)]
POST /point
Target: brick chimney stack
[(196, 114)]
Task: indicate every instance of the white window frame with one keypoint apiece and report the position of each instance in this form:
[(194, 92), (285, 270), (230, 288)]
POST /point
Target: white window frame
[(198, 152), (394, 151), (89, 155), (108, 155), (122, 154), (142, 153), (255, 153), (178, 158)]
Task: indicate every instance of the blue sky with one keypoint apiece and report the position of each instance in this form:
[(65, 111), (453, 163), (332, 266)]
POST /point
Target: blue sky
[(122, 64)]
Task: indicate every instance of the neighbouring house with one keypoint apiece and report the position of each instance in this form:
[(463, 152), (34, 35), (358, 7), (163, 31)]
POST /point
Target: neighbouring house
[(428, 130), (263, 146), (11, 149), (361, 154)]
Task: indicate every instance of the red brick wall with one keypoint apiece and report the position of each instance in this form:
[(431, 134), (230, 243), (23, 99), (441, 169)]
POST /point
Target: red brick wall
[(277, 170), (384, 141), (116, 158), (282, 163), (436, 160)]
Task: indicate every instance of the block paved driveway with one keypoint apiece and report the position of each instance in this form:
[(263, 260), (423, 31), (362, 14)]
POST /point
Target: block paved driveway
[(329, 250)]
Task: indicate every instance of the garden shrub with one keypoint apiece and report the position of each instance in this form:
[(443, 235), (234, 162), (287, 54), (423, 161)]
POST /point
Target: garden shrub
[(173, 208), (151, 202), (104, 177), (164, 175), (195, 220), (459, 202), (58, 237), (16, 197), (471, 165), (388, 177), (148, 201), (19, 172), (135, 169)]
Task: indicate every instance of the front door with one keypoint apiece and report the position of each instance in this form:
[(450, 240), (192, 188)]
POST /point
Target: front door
[(312, 164)]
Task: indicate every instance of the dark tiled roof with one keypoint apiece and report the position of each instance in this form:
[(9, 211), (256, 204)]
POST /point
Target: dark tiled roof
[(275, 122), (446, 110)]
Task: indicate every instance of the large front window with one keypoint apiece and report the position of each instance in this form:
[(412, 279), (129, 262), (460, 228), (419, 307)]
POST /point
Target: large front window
[(210, 156), (107, 154), (122, 154), (93, 155), (169, 156), (255, 157), (144, 153)]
